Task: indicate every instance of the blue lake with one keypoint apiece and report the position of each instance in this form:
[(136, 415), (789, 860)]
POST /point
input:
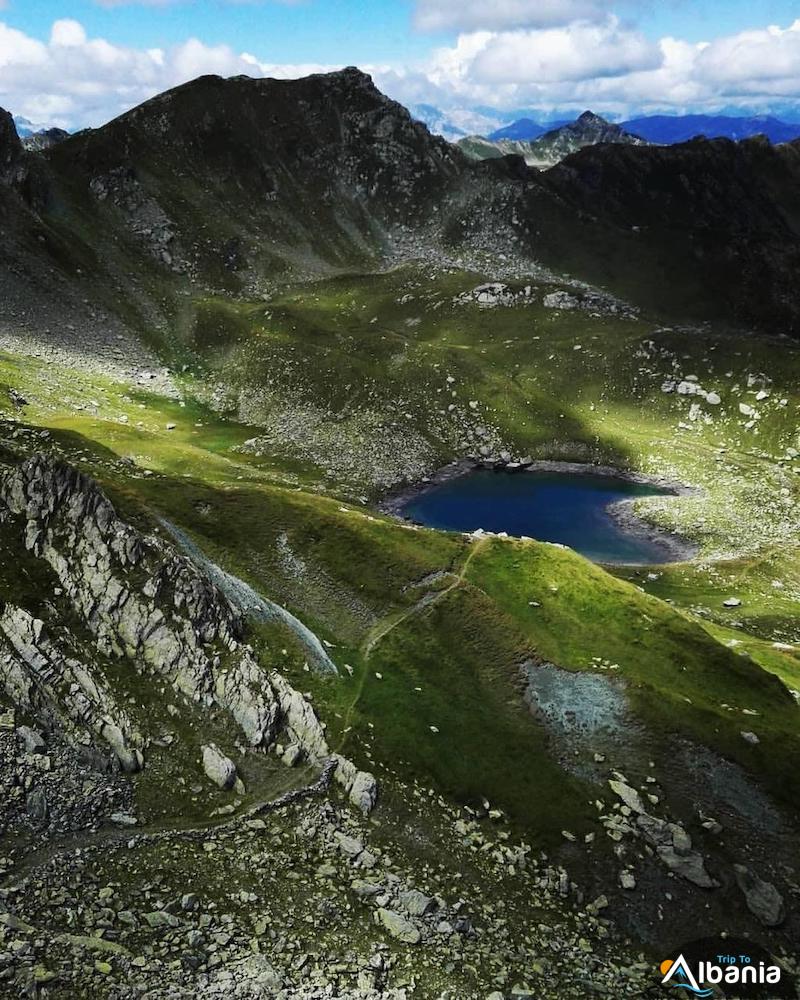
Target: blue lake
[(569, 508)]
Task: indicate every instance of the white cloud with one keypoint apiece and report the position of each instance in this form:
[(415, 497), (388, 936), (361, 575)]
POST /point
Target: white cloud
[(74, 80), (68, 34), (473, 15), (576, 52), (607, 66)]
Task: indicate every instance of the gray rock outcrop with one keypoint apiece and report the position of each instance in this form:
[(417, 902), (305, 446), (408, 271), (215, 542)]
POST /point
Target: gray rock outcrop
[(762, 898), (142, 603), (219, 768)]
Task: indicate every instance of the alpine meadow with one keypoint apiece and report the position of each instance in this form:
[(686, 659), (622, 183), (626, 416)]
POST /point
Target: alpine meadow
[(399, 538)]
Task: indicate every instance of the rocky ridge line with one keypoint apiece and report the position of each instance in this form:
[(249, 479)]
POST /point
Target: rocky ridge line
[(143, 602)]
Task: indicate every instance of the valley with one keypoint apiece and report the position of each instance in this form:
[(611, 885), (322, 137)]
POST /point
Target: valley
[(537, 771)]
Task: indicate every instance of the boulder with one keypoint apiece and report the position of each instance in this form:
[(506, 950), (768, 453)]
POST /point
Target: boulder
[(364, 792), (416, 903), (762, 898), (32, 740), (36, 805), (399, 928), (629, 796), (219, 768), (689, 866)]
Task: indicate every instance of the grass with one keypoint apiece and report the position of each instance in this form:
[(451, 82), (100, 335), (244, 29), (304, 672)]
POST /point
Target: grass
[(392, 365)]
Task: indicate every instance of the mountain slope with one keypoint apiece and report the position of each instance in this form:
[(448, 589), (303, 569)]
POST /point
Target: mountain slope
[(332, 161), (719, 220), (286, 302), (228, 185), (525, 129)]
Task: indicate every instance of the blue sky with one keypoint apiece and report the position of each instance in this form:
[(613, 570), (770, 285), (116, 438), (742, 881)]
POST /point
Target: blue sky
[(312, 31), (348, 31), (77, 62)]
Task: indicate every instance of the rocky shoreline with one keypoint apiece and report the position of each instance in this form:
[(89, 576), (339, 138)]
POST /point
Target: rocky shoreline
[(679, 548)]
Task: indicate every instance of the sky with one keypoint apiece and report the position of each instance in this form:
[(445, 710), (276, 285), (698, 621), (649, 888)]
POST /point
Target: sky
[(76, 63)]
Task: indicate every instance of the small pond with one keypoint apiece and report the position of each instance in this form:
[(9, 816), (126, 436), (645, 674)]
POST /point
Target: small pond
[(566, 507)]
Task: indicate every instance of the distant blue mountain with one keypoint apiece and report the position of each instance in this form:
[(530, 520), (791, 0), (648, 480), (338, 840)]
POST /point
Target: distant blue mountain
[(525, 129), (668, 129)]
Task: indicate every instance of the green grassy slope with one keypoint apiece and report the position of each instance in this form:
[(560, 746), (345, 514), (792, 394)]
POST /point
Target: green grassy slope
[(406, 364)]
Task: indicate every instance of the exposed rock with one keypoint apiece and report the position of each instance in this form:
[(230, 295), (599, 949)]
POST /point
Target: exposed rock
[(763, 899), (689, 866), (141, 602), (36, 805), (33, 741), (399, 927), (219, 768), (416, 903), (59, 689), (364, 791), (560, 300), (629, 795)]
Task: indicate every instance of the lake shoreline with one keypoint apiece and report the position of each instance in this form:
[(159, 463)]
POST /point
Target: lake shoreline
[(676, 547)]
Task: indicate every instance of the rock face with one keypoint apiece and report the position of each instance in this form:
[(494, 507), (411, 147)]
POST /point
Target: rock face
[(11, 150), (45, 139), (176, 624), (145, 605), (61, 690)]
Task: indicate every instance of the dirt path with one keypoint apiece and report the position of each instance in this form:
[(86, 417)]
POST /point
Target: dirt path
[(110, 836), (389, 624)]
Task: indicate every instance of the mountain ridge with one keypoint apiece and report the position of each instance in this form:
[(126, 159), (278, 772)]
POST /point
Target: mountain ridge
[(229, 182)]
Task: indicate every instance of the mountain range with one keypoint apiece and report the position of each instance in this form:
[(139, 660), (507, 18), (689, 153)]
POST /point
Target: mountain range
[(181, 194), (660, 129), (550, 147), (666, 129)]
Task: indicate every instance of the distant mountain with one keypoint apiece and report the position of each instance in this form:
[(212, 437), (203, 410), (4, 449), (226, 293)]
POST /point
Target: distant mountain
[(455, 123), (525, 129), (24, 126), (478, 148), (553, 146), (37, 141), (668, 129), (588, 130), (37, 136)]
